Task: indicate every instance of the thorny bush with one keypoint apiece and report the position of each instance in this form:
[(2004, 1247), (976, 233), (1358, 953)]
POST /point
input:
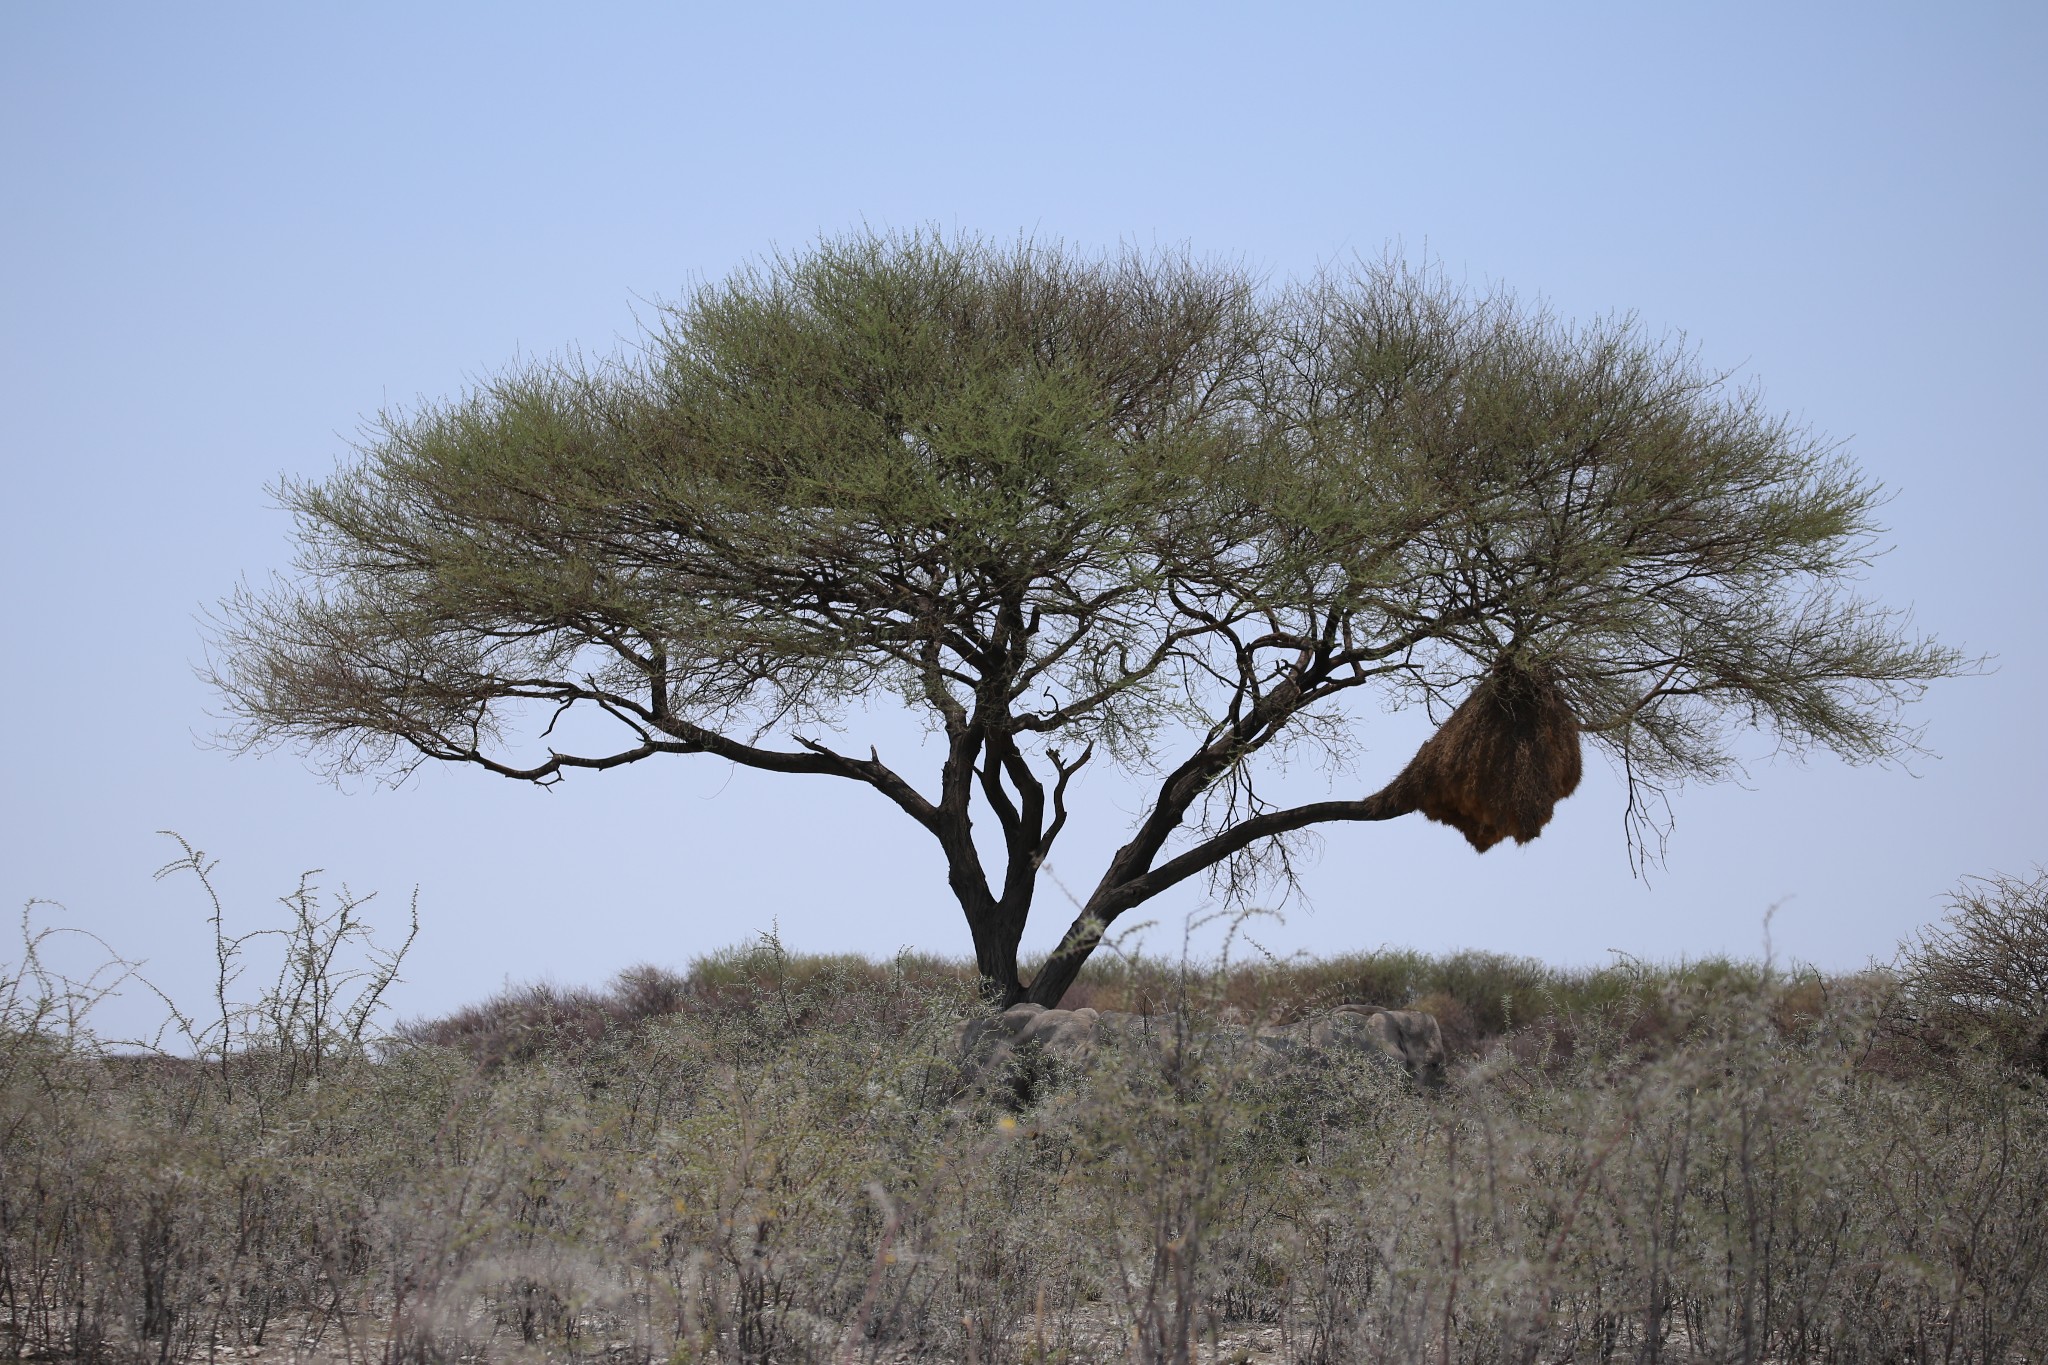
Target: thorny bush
[(774, 1159)]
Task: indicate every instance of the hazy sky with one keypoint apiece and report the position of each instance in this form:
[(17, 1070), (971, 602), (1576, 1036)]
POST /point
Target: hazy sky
[(233, 232)]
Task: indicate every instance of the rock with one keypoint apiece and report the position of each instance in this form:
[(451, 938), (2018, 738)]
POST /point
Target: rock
[(1067, 1033), (1021, 1041), (1027, 1044), (1409, 1037)]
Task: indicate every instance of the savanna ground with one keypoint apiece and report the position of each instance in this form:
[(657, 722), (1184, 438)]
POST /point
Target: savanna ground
[(774, 1158)]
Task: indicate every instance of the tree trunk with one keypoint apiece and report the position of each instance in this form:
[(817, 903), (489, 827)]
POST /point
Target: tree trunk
[(1064, 966), (996, 960), (997, 931)]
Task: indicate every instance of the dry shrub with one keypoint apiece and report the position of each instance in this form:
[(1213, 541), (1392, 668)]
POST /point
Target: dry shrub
[(1981, 975), (1460, 1030), (776, 989), (520, 1023), (1479, 998), (771, 1162), (1800, 1004)]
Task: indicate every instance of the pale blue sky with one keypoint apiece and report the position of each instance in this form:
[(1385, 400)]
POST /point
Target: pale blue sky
[(233, 231)]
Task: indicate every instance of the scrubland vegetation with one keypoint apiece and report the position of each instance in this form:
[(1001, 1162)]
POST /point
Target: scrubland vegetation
[(775, 1157), (1141, 512)]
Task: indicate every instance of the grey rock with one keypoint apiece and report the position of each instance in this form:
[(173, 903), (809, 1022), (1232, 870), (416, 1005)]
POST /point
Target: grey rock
[(1022, 1036), (1027, 1042), (1410, 1037)]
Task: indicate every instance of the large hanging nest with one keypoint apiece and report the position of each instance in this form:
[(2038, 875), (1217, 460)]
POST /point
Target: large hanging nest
[(1498, 767)]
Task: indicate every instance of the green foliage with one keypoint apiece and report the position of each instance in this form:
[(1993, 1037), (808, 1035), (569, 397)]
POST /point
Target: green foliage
[(1139, 507)]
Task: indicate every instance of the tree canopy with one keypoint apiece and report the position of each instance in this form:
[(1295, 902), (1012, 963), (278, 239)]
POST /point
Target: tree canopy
[(1140, 509)]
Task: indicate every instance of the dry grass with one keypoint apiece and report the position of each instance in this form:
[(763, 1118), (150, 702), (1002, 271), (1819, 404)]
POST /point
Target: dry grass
[(772, 1158)]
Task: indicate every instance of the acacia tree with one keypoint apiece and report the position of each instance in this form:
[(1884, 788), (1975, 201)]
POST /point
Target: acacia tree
[(1138, 509)]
